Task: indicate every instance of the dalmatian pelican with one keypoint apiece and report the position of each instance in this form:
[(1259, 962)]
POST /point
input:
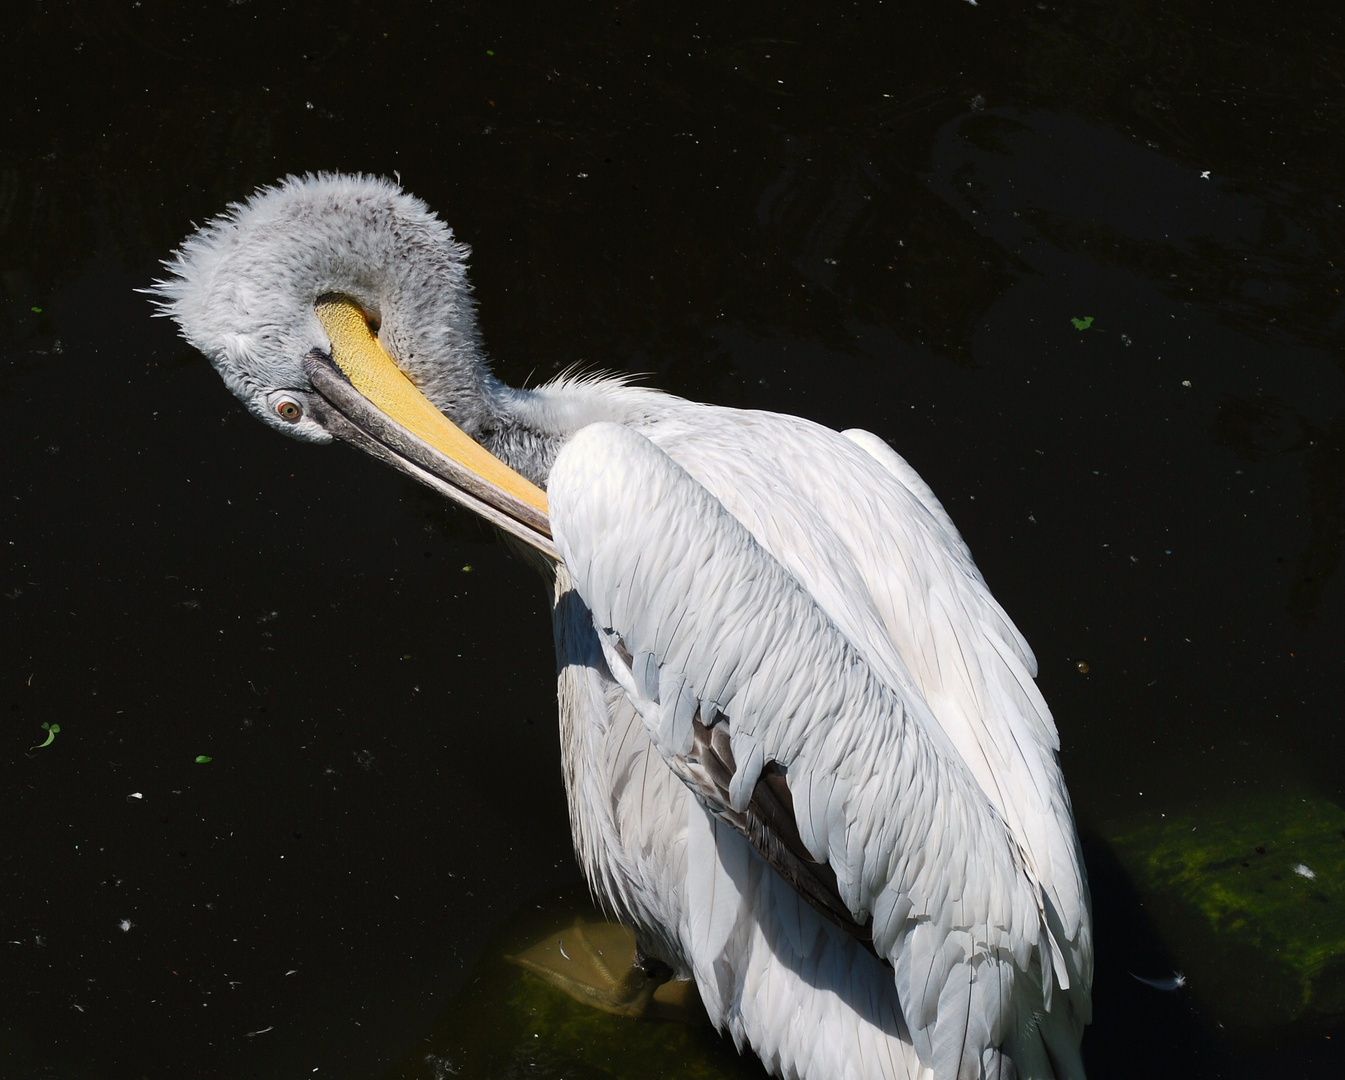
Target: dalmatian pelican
[(805, 756)]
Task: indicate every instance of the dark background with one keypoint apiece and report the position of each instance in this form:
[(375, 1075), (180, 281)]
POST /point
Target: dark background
[(873, 214)]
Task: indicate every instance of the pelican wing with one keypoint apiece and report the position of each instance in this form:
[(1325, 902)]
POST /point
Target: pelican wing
[(804, 731), (855, 525)]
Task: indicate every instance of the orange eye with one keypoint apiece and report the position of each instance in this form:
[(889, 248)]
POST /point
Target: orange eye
[(289, 410)]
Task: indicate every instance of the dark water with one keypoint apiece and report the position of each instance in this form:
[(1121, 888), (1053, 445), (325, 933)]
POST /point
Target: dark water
[(875, 214)]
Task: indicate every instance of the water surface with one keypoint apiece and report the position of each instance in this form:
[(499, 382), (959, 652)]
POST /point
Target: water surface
[(882, 215)]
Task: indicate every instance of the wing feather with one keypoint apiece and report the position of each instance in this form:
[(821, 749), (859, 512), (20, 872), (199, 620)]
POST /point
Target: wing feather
[(862, 532), (799, 694), (716, 874)]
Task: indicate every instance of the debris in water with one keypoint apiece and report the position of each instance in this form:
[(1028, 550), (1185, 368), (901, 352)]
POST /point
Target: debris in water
[(1173, 982)]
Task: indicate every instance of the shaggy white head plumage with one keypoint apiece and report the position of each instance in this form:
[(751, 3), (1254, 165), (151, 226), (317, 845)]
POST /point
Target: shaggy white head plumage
[(243, 288)]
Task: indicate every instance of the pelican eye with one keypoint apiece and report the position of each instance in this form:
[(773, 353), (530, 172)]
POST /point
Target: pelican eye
[(289, 410)]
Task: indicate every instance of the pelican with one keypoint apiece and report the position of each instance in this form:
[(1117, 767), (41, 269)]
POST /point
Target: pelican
[(805, 756)]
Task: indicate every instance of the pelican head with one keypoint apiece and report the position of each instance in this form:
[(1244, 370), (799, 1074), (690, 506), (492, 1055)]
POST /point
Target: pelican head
[(338, 307)]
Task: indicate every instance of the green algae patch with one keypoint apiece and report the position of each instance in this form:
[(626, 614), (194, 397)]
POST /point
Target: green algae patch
[(1250, 897), (509, 1023)]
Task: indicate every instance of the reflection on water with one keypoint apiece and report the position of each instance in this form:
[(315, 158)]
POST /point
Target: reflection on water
[(878, 214), (1263, 427)]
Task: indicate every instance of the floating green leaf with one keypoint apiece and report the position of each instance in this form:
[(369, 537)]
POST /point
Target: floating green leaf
[(52, 731), (36, 310), (467, 569), (1082, 324), (203, 759)]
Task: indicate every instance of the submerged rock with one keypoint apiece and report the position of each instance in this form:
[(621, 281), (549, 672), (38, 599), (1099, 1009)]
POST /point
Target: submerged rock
[(507, 1022)]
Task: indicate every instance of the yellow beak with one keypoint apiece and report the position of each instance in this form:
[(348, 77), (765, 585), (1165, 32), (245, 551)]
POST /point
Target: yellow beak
[(359, 353)]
